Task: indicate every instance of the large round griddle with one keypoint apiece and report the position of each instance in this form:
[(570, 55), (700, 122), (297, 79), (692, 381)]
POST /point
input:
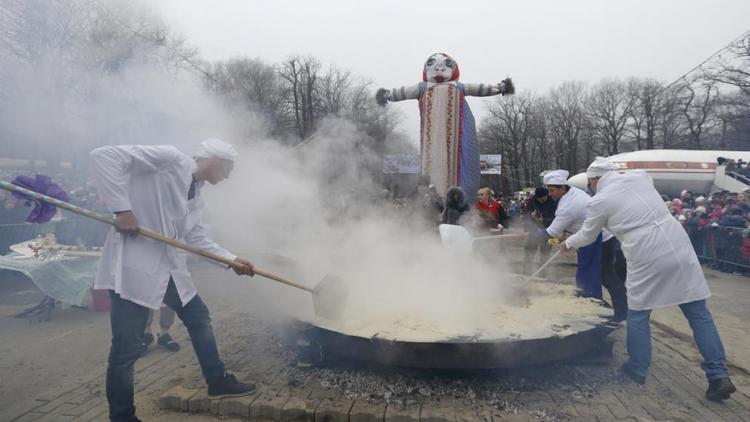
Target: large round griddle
[(457, 353)]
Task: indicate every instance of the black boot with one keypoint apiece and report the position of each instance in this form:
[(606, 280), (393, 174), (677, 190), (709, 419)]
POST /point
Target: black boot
[(720, 389), (228, 386), (638, 379)]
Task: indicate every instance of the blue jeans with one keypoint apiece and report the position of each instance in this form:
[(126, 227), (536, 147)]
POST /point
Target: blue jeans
[(128, 322), (589, 272), (704, 332)]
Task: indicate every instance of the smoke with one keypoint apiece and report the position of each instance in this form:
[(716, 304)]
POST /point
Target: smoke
[(78, 74), (304, 212), (321, 208)]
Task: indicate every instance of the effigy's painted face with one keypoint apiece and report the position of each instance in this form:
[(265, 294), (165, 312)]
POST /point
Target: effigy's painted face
[(440, 68)]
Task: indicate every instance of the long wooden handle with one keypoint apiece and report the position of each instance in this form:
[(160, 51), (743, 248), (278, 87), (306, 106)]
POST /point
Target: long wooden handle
[(144, 232), (56, 202), (210, 255), (497, 236), (539, 270)]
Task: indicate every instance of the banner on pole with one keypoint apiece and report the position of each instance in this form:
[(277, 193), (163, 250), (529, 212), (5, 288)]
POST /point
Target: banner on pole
[(490, 163), (401, 164)]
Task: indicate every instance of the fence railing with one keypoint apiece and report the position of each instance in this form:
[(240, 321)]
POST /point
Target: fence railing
[(722, 247), (737, 176)]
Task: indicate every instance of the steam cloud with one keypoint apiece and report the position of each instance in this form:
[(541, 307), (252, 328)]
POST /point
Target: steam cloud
[(319, 206)]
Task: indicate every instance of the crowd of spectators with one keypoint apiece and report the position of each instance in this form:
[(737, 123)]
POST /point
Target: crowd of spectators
[(718, 226), (739, 167)]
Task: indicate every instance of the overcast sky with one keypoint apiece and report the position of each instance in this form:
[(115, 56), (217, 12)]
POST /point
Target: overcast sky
[(538, 43)]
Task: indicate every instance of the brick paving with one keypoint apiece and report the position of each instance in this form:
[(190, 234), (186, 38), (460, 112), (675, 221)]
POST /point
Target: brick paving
[(585, 389), (581, 390), (86, 401)]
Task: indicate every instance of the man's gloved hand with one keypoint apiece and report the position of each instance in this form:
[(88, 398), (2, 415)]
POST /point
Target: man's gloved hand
[(554, 241), (126, 223), (245, 267)]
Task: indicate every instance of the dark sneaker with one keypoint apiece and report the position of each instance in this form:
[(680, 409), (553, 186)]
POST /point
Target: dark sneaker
[(228, 386), (720, 389), (167, 342), (638, 379)]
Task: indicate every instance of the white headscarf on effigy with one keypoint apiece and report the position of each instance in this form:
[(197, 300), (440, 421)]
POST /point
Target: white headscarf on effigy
[(599, 167), (556, 177), (213, 147)]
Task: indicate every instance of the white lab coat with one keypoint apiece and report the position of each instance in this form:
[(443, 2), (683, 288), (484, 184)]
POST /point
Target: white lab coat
[(663, 269), (570, 214), (153, 182)]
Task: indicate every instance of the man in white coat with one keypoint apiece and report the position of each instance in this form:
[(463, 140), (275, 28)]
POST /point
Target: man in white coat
[(159, 188), (662, 268), (569, 216)]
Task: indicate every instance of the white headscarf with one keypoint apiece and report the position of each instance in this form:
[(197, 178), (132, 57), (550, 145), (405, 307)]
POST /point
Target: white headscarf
[(600, 167), (213, 147), (556, 177)]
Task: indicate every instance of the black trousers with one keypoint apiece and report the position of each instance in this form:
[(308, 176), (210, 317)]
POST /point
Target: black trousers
[(614, 273)]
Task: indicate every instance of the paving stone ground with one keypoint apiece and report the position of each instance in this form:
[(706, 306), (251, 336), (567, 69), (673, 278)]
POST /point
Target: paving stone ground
[(169, 386), (584, 389)]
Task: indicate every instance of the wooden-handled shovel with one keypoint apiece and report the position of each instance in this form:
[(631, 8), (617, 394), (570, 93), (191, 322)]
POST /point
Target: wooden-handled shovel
[(539, 270), (328, 296)]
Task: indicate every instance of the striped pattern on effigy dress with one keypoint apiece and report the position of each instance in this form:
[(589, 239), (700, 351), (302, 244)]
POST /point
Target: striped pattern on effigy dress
[(448, 136)]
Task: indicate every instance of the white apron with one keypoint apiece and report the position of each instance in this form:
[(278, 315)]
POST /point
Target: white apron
[(663, 269)]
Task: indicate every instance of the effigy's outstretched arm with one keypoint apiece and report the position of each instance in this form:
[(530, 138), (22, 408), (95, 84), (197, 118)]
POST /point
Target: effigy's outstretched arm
[(485, 90), (383, 96)]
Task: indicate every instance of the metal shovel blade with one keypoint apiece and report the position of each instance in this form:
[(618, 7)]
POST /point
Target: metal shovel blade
[(456, 238), (329, 297)]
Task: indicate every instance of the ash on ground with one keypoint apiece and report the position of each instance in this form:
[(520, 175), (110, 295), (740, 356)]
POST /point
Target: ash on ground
[(502, 391)]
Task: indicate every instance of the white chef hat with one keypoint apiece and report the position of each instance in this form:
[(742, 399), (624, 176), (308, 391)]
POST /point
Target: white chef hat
[(556, 177), (213, 147), (600, 167)]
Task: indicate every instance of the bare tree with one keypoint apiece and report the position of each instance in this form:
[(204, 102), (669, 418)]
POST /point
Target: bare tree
[(649, 105), (516, 128), (567, 120), (42, 46), (56, 56), (335, 84), (254, 86), (301, 75), (609, 108), (698, 100), (733, 117), (379, 123), (733, 66)]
